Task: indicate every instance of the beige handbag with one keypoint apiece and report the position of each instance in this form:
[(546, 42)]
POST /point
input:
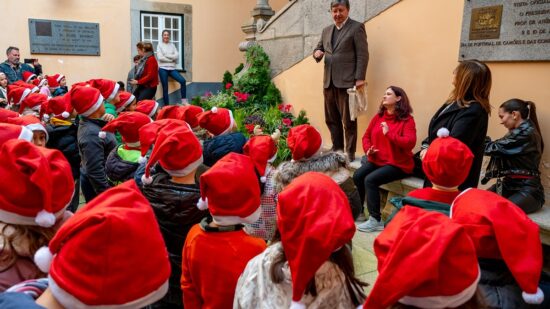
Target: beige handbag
[(357, 101)]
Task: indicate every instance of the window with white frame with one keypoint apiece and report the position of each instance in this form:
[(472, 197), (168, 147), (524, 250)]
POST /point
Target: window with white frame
[(152, 25)]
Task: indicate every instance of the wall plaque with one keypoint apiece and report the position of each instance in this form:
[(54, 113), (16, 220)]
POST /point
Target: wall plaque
[(509, 30), (64, 37)]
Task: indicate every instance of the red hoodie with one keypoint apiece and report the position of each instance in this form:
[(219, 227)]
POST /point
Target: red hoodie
[(394, 148)]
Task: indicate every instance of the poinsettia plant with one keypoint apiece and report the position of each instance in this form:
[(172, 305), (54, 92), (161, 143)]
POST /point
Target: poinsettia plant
[(255, 100)]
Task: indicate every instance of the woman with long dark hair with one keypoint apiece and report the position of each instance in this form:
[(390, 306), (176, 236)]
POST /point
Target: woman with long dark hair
[(388, 144), (465, 114), (515, 158)]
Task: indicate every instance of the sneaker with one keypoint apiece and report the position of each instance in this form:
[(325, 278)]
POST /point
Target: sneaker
[(371, 225)]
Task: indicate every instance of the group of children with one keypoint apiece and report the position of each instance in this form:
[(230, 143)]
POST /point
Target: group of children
[(183, 211)]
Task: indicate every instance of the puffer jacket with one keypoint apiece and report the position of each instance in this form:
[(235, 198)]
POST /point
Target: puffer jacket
[(215, 148), (333, 164), (119, 170), (63, 138), (175, 207)]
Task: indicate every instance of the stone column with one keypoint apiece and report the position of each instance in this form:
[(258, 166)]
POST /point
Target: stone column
[(261, 13)]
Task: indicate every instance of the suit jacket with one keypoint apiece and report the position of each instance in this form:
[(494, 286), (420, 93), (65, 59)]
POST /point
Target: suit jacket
[(347, 60), (469, 125)]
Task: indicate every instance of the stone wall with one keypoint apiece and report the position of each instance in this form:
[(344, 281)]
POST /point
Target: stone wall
[(292, 33)]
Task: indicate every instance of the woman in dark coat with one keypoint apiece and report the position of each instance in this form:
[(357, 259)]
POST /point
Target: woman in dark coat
[(465, 114), (515, 158)]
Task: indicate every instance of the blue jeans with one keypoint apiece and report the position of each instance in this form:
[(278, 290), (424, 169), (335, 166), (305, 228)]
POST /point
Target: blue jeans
[(163, 74)]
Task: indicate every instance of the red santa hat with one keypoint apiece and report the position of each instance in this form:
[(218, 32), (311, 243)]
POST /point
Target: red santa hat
[(45, 185), (10, 131), (16, 94), (304, 142), (190, 113), (424, 260), (33, 101), (28, 76), (108, 88), (60, 107), (149, 132), (147, 107), (126, 99), (262, 150), (231, 191), (170, 112), (6, 113), (447, 161), (306, 212), (21, 83), (86, 100), (110, 254), (53, 80), (177, 150), (39, 82), (30, 122), (128, 124), (217, 121), (501, 230)]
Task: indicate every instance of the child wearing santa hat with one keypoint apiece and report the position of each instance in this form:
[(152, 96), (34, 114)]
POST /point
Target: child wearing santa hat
[(62, 127), (127, 102), (310, 264), (88, 103), (110, 90), (130, 271), (217, 250), (40, 134), (33, 104), (3, 90), (262, 149), (30, 214), (187, 113), (173, 194), (221, 126), (57, 84), (508, 247), (446, 165), (122, 162), (425, 261), (15, 95), (10, 131), (305, 143), (148, 107)]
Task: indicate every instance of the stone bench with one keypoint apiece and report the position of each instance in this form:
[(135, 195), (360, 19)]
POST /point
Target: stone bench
[(404, 186)]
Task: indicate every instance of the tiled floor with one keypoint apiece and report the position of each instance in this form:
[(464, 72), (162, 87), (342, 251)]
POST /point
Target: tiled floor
[(364, 258)]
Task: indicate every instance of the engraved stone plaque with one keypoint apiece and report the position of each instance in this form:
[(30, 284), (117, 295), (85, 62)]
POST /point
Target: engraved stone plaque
[(506, 30), (64, 37)]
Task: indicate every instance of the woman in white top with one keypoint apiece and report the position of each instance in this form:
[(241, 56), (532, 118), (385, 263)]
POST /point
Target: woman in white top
[(167, 56)]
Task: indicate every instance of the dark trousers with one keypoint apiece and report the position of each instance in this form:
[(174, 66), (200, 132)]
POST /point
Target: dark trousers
[(164, 74), (73, 206), (368, 178), (87, 189), (145, 93), (338, 120), (524, 200)]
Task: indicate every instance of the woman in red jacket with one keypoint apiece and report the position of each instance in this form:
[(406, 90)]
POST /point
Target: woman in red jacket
[(147, 73), (388, 144)]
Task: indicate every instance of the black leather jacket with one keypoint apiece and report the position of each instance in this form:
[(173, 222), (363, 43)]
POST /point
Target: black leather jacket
[(175, 207), (517, 153)]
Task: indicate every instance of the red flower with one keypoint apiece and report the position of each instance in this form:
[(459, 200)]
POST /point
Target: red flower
[(228, 85), (287, 122), (249, 128), (208, 94), (241, 97), (285, 108)]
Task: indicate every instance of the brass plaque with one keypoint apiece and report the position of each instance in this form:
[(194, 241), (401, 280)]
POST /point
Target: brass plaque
[(485, 23)]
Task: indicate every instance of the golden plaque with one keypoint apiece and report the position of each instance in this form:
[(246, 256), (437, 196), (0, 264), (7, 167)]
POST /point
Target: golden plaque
[(485, 23)]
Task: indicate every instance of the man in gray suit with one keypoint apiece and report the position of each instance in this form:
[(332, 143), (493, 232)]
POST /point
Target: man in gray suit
[(344, 46)]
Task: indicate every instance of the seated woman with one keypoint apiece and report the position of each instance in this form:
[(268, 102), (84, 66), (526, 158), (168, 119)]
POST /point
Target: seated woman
[(465, 114), (388, 144), (515, 158), (303, 268)]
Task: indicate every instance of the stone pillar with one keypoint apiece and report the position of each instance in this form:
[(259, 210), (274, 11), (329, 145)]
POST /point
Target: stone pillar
[(261, 13)]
